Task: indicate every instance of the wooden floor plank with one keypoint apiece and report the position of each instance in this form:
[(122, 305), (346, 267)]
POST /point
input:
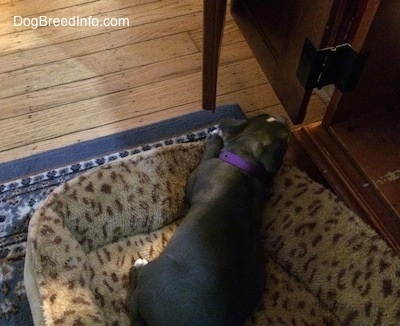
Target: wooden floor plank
[(58, 9), (35, 7), (242, 97), (101, 42), (249, 99), (110, 83), (114, 107), (232, 33), (60, 86), (137, 15), (95, 64)]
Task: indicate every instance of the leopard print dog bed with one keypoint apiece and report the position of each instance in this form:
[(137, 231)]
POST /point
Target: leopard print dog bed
[(324, 265)]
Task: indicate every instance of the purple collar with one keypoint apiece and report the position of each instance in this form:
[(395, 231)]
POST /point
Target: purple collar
[(244, 165)]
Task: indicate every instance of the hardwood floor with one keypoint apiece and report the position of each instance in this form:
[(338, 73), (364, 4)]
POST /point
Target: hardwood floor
[(60, 85)]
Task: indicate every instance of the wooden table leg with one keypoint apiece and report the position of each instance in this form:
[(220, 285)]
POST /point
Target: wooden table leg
[(213, 25)]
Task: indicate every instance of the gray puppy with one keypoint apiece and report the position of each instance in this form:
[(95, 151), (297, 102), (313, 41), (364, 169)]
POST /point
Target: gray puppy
[(212, 272)]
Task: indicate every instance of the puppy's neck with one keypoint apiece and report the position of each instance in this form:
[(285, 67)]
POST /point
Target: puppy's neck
[(245, 165)]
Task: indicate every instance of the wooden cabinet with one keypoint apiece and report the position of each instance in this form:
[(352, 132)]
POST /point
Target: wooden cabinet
[(356, 148), (276, 31)]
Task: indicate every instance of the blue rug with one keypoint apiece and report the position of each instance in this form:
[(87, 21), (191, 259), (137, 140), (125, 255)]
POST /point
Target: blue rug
[(25, 183)]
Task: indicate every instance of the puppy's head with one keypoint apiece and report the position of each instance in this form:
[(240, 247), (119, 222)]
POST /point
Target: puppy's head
[(263, 138)]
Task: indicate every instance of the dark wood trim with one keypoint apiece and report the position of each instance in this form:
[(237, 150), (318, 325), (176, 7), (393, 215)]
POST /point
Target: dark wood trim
[(213, 24), (259, 45), (349, 182), (357, 34), (297, 156)]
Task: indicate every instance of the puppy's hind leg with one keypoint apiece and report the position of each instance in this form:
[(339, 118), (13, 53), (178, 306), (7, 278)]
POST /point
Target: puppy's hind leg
[(134, 273)]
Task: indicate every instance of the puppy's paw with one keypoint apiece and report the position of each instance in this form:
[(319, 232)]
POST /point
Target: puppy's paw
[(139, 263), (214, 138), (213, 145), (217, 131)]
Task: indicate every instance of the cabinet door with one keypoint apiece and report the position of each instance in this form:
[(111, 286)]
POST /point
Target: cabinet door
[(276, 31)]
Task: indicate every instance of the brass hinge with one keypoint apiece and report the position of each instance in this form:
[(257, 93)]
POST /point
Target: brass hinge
[(339, 65)]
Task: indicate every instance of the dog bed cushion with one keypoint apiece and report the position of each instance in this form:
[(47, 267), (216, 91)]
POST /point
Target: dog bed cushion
[(324, 265)]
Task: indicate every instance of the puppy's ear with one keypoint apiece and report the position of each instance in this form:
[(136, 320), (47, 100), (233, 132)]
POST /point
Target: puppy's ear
[(272, 156), (230, 127)]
